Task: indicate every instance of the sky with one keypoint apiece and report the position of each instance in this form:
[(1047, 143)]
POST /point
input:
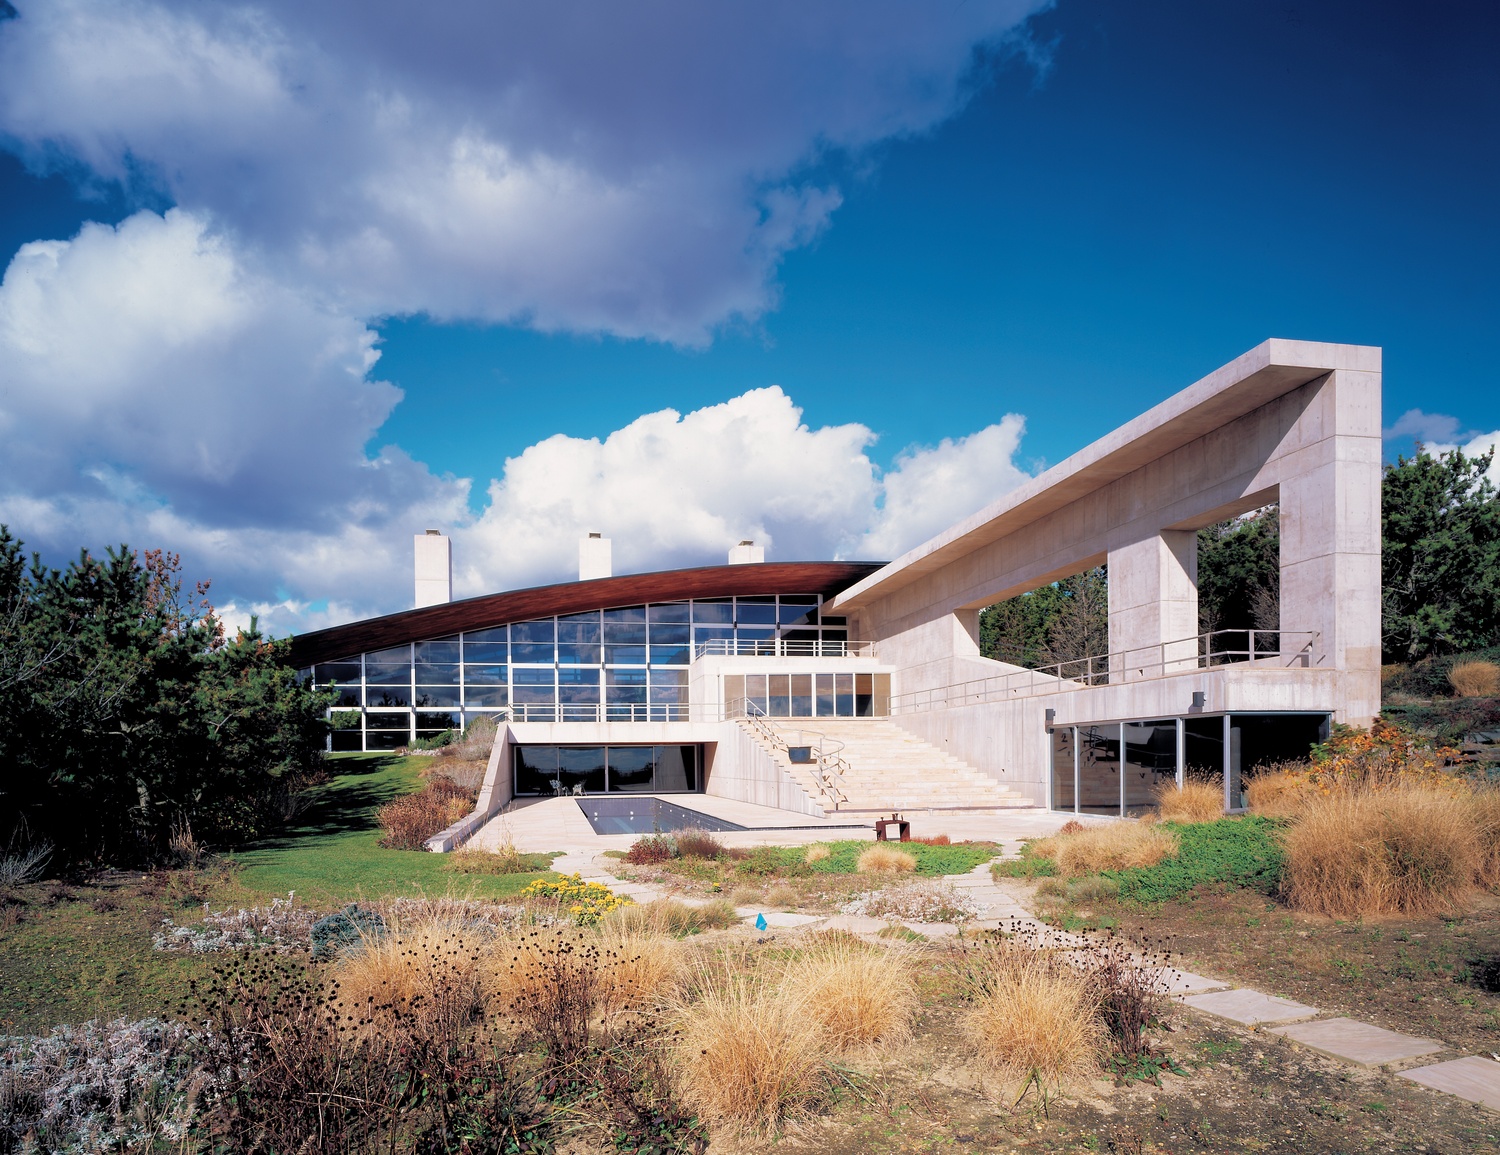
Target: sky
[(286, 283)]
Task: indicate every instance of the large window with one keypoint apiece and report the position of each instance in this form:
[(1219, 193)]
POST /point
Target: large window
[(578, 770), (628, 663), (809, 695)]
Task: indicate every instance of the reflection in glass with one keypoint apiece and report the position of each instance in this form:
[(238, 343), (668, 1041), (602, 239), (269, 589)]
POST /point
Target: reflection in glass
[(578, 654), (434, 673), (670, 655), (864, 696), (536, 770), (825, 695), (429, 720), (844, 688), (497, 652), (580, 769), (486, 695), (388, 721), (631, 768), (1064, 743), (755, 612), (802, 697), (437, 696), (388, 696), (713, 612), (1203, 754), (441, 651), (625, 655), (390, 675), (484, 675), (670, 612), (1099, 769), (779, 695), (1150, 762), (578, 627), (347, 695), (495, 634), (676, 768), (338, 672)]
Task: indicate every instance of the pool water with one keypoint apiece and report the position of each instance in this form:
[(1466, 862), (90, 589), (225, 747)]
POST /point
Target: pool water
[(646, 816)]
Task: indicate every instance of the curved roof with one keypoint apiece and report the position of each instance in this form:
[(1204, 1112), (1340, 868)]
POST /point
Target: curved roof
[(797, 577)]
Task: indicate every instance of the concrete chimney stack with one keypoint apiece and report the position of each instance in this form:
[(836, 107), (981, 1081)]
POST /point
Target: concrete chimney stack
[(434, 569), (595, 558), (747, 553)]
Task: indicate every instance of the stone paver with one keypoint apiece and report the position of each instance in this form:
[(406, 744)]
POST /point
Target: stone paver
[(1473, 1078), (1359, 1043), (856, 924), (1249, 1008), (778, 918), (1187, 983)]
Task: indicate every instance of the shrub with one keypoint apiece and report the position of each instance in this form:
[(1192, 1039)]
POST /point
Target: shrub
[(858, 994), (746, 1052), (650, 849), (817, 852), (344, 930), (284, 925), (1033, 1016), (934, 840), (883, 858), (1484, 806), (504, 859), (98, 1087), (921, 900), (585, 902), (1405, 849), (1193, 801), (409, 821), (1113, 846), (23, 864), (1475, 679), (698, 844)]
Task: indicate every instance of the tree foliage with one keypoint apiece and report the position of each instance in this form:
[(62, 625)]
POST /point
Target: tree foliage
[(1061, 622), (1239, 573), (129, 717), (1440, 556)]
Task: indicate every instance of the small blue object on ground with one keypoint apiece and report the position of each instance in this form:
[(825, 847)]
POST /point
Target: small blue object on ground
[(760, 922)]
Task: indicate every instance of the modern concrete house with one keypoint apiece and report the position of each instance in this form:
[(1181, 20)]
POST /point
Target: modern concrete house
[(821, 687)]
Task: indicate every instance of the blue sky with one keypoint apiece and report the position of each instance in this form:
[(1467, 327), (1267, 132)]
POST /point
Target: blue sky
[(958, 247)]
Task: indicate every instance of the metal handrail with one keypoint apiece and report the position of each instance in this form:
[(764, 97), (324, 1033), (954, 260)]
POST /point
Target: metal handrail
[(829, 764), (1292, 649), (596, 712), (781, 648)]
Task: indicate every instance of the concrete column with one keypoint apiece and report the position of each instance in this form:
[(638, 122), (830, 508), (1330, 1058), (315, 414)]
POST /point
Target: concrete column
[(1330, 540), (1153, 599), (434, 569)]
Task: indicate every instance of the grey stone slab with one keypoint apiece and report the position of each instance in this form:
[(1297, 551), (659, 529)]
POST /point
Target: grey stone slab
[(1473, 1078), (779, 918), (1248, 1007), (1187, 983), (856, 924), (1357, 1042)]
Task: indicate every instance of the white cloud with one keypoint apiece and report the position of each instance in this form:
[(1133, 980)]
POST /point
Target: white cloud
[(1423, 427), (157, 389), (628, 169), (1475, 446)]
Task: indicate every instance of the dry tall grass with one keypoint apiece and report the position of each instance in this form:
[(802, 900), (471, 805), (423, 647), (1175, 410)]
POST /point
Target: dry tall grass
[(1193, 801), (666, 917), (1034, 1016), (1280, 790), (504, 859), (1475, 679), (639, 969), (882, 858), (433, 972), (1403, 849), (1113, 846), (1485, 811), (746, 1053), (859, 994), (817, 852)]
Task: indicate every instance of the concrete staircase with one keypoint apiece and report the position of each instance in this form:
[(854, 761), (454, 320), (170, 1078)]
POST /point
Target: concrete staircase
[(891, 768)]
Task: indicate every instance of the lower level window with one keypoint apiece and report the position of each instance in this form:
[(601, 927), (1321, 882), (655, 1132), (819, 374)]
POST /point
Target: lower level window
[(579, 770)]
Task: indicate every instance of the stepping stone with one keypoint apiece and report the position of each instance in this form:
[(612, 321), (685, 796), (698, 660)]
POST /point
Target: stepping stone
[(1356, 1042), (1187, 983), (1249, 1008), (854, 923), (1471, 1078)]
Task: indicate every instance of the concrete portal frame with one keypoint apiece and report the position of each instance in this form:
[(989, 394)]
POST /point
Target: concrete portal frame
[(1290, 422)]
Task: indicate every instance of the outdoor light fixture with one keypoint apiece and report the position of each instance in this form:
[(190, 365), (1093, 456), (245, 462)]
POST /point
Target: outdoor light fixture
[(1051, 717), (1198, 702)]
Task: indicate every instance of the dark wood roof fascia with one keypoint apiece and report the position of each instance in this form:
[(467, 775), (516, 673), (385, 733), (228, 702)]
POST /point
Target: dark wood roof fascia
[(826, 578)]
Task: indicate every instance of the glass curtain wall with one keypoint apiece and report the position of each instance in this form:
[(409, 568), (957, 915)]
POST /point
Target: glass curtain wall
[(1117, 767), (549, 771), (624, 664)]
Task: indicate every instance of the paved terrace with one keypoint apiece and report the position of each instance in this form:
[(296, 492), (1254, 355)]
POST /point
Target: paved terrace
[(544, 824)]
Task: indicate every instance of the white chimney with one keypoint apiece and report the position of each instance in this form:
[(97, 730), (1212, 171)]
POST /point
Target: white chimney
[(747, 553), (595, 558), (434, 571)]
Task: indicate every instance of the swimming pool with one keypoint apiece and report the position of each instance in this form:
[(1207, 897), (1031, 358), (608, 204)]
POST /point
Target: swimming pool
[(646, 816)]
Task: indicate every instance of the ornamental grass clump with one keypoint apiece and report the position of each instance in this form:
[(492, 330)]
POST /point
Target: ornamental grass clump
[(1475, 679), (817, 852), (857, 993), (431, 975), (747, 1055), (409, 821), (1110, 846), (1195, 800), (1280, 790), (669, 918), (698, 844), (882, 858), (1033, 1017), (1407, 848)]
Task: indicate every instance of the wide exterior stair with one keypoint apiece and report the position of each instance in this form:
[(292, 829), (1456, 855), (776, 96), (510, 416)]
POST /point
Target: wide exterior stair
[(889, 768)]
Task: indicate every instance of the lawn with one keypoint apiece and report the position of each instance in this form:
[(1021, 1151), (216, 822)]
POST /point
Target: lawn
[(333, 854)]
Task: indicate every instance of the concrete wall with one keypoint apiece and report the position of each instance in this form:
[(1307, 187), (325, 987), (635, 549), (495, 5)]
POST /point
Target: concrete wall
[(743, 771), (1293, 422)]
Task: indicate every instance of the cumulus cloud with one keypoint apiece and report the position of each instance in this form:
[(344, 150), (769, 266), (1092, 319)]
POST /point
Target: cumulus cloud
[(626, 169), (1423, 427), (1475, 446), (156, 388)]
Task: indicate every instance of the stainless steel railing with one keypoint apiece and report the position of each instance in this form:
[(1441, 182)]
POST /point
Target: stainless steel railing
[(1290, 649), (827, 762), (781, 648)]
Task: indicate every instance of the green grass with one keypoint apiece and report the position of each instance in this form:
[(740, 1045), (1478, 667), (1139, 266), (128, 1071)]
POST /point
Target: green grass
[(1236, 852), (843, 858), (333, 854)]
